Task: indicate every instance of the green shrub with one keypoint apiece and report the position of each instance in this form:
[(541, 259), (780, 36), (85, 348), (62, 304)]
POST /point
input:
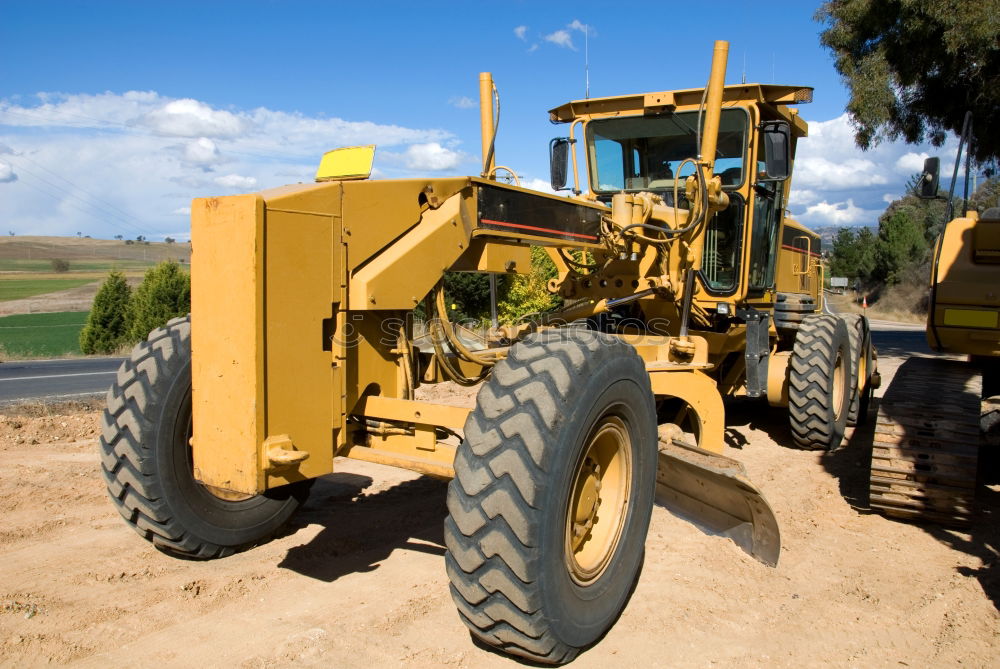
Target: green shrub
[(165, 293), (60, 265), (107, 322), (528, 294)]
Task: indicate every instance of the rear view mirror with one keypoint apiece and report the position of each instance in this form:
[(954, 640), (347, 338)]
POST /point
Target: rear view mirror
[(777, 150), (558, 161), (927, 189)]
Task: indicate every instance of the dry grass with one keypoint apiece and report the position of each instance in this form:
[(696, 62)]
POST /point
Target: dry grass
[(902, 303), (82, 249)]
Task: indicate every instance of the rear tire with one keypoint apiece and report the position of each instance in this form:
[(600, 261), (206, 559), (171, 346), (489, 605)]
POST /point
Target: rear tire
[(146, 459), (859, 336), (566, 425), (819, 385)]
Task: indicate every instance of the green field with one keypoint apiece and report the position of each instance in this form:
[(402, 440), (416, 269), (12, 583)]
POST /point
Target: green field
[(16, 289), (99, 265), (41, 335)]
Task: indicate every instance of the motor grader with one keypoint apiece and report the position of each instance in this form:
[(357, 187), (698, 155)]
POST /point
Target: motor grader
[(927, 447), (300, 348)]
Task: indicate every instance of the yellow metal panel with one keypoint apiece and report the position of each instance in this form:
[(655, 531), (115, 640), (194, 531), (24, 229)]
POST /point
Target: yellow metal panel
[(303, 397), (369, 365), (354, 162), (424, 413), (484, 256), (402, 274), (227, 341), (377, 212), (702, 395), (970, 318)]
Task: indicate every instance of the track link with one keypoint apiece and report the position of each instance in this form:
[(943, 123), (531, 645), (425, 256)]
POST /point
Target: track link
[(926, 448)]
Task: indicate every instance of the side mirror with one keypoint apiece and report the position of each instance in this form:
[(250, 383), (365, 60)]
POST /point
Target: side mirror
[(558, 161), (777, 150), (927, 189)]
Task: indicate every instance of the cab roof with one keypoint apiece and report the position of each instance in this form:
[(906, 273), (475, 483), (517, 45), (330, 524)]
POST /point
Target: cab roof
[(667, 101)]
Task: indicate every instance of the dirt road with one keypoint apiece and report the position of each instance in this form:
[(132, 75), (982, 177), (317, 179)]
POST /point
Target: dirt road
[(358, 579)]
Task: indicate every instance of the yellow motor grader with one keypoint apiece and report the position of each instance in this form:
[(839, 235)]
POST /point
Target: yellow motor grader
[(682, 283)]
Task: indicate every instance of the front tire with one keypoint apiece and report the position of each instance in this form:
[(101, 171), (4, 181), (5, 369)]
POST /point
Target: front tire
[(819, 385), (146, 459), (552, 495)]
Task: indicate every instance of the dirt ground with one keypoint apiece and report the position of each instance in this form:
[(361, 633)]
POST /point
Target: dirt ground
[(358, 578)]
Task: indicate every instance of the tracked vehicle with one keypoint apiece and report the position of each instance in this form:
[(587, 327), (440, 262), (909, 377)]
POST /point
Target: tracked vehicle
[(936, 414), (300, 349)]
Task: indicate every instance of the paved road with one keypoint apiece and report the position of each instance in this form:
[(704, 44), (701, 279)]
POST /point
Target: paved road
[(899, 339), (56, 379)]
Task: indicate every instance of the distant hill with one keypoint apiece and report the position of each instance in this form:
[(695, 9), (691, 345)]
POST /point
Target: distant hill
[(29, 248)]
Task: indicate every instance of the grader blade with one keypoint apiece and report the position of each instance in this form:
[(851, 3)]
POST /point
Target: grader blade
[(715, 492)]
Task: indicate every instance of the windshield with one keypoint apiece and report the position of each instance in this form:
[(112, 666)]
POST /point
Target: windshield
[(645, 152)]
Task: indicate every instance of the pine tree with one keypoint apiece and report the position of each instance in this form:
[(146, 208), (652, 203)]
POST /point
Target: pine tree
[(900, 244), (165, 293), (107, 322)]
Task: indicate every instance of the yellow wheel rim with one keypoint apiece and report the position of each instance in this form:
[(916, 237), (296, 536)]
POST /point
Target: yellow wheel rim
[(598, 503), (839, 382)]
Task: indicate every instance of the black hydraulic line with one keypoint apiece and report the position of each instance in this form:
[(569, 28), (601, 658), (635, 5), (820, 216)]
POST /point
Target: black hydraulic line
[(686, 303)]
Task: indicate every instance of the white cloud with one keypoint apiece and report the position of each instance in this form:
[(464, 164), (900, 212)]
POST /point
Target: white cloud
[(462, 102), (802, 197), (835, 182), (182, 211), (561, 38), (825, 174), (201, 151), (190, 118), (112, 164), (911, 163), (538, 184), (7, 174), (581, 27), (521, 31), (431, 156), (840, 213), (236, 181)]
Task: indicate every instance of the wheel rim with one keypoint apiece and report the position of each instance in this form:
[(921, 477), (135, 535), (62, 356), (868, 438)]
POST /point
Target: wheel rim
[(839, 381), (598, 501)]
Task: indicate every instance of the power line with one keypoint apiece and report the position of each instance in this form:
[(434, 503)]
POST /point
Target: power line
[(61, 200), (103, 211), (80, 188)]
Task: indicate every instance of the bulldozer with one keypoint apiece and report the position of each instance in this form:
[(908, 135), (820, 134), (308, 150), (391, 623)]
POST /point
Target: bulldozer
[(682, 280), (928, 446)]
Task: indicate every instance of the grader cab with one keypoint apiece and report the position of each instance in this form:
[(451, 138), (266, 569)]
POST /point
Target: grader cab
[(682, 282)]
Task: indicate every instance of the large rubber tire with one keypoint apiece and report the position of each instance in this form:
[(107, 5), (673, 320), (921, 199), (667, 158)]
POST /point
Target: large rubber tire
[(819, 382), (516, 575), (146, 459), (859, 336)]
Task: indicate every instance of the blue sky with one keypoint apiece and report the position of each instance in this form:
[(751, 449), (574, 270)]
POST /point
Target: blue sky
[(113, 115)]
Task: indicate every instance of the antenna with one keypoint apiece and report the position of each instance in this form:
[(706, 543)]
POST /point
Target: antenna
[(586, 58), (744, 80)]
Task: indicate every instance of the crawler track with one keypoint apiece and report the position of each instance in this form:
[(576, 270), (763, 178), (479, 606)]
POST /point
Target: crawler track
[(927, 439)]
